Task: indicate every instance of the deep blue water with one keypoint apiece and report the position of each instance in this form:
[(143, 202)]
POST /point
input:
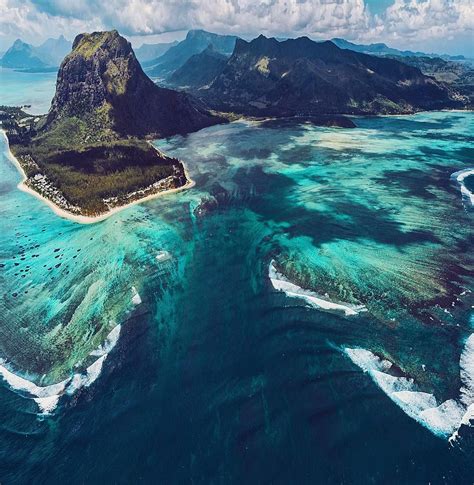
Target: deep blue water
[(217, 377)]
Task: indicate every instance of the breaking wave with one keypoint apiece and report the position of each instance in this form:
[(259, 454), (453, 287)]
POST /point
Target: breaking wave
[(47, 397), (459, 177), (280, 283), (442, 419)]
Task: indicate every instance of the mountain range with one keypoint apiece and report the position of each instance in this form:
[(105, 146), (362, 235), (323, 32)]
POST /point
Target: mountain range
[(301, 77), (195, 42), (149, 52), (199, 70), (43, 57), (381, 49)]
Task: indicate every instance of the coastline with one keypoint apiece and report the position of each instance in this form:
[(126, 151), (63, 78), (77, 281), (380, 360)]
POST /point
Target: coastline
[(80, 219)]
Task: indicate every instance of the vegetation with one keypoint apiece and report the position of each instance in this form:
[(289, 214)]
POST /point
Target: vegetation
[(92, 171)]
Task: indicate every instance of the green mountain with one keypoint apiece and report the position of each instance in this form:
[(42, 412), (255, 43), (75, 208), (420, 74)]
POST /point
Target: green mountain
[(102, 87), (303, 77), (89, 154)]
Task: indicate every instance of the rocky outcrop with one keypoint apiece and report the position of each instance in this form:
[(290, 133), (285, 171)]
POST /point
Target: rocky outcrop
[(302, 77), (102, 80)]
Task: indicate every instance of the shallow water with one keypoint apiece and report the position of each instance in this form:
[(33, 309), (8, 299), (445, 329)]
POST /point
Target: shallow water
[(217, 376), (23, 88)]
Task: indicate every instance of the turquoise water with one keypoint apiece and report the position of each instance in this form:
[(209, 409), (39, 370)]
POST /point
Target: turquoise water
[(217, 376), (35, 89)]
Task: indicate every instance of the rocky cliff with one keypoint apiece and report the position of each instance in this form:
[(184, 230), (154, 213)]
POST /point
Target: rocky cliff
[(102, 83)]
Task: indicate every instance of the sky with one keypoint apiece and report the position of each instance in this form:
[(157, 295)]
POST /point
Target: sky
[(442, 26)]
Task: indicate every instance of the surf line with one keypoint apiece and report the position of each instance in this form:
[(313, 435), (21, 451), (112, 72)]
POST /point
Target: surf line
[(281, 283), (47, 397), (444, 419), (459, 178)]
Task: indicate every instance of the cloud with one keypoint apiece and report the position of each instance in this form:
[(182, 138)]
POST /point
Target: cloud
[(427, 19), (402, 22), (21, 19)]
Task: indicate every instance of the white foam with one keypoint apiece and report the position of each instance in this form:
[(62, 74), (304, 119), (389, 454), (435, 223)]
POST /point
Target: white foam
[(88, 377), (47, 397), (162, 256), (136, 300), (459, 177), (466, 363), (444, 419), (47, 404), (280, 283)]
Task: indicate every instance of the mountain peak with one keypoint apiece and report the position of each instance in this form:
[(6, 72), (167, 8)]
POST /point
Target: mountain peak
[(102, 83), (88, 44), (19, 44)]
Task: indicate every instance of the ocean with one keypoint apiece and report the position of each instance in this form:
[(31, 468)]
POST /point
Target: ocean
[(310, 323)]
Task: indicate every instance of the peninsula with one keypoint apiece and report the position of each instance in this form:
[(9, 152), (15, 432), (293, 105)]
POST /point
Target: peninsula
[(90, 155)]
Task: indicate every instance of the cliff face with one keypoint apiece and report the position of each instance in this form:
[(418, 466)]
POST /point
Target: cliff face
[(102, 82), (301, 77)]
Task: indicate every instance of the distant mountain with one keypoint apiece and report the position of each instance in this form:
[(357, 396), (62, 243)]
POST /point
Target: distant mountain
[(381, 49), (147, 52), (199, 70), (44, 57), (195, 42), (303, 77), (458, 74), (22, 56), (53, 51)]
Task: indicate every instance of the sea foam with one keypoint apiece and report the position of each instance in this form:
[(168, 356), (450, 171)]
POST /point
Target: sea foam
[(459, 177), (280, 283), (47, 397), (442, 419)]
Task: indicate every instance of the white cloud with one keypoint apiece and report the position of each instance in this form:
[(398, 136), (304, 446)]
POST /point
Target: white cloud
[(404, 23), (21, 19), (427, 19)]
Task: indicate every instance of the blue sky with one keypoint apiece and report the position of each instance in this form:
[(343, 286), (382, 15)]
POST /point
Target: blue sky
[(444, 26)]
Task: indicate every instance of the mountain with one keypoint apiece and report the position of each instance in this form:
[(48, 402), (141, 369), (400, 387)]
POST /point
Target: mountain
[(301, 77), (460, 75), (147, 52), (22, 56), (199, 70), (89, 153), (41, 58), (380, 49), (102, 80), (53, 51), (195, 42)]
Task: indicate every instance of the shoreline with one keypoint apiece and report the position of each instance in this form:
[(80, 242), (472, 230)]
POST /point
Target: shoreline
[(80, 219)]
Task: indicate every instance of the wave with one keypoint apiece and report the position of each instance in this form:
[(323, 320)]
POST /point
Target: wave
[(136, 299), (47, 397), (443, 419), (280, 283), (459, 177)]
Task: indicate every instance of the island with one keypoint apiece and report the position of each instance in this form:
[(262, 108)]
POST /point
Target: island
[(91, 154)]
